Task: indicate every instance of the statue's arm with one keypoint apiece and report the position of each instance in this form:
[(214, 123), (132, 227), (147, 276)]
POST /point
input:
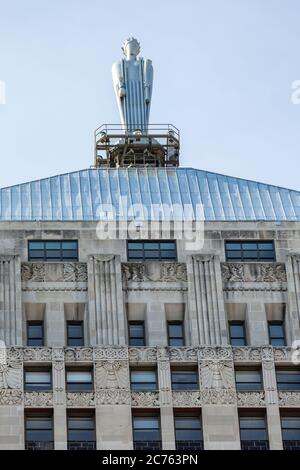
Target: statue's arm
[(118, 78), (148, 79)]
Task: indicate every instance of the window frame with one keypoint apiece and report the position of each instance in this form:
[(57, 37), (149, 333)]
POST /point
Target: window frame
[(49, 387), (287, 370), (170, 338), (30, 323), (243, 258), (81, 415), (188, 415), (46, 258), (181, 386), (146, 415), (144, 369), (71, 386), (74, 322), (130, 337), (45, 415), (249, 370), (253, 415), (283, 337), (144, 258), (231, 338), (289, 415)]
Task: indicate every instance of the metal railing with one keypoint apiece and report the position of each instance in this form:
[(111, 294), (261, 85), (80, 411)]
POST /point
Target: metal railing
[(255, 445), (291, 445), (147, 445), (189, 446), (39, 445), (81, 445)]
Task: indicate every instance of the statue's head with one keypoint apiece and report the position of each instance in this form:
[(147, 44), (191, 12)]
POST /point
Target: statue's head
[(131, 48)]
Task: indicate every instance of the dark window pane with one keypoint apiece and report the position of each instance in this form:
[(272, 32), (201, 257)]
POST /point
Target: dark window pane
[(152, 250), (53, 250), (250, 251)]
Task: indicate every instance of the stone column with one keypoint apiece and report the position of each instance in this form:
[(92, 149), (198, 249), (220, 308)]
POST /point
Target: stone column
[(55, 324), (156, 324), (257, 326), (10, 300), (271, 398), (113, 403), (165, 395), (205, 301), (293, 310), (106, 306), (59, 405)]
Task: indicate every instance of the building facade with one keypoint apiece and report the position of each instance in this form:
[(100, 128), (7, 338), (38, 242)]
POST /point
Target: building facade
[(149, 342)]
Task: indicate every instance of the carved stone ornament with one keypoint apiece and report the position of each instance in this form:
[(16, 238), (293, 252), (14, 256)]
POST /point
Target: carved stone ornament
[(183, 354), (216, 375), (251, 399), (145, 399), (80, 399), (142, 354), (289, 398), (38, 399), (186, 399), (11, 376), (11, 397), (111, 374), (253, 272), (162, 272), (113, 397), (218, 397), (54, 272)]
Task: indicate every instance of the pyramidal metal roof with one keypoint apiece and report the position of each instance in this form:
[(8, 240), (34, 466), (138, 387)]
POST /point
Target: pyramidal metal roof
[(158, 193)]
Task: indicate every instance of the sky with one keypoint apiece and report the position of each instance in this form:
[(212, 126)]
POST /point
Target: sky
[(223, 74)]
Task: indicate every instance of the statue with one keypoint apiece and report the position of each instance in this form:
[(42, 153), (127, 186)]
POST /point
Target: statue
[(133, 80)]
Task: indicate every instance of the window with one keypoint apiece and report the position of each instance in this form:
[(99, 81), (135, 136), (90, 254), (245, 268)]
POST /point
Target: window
[(136, 333), (143, 380), (39, 431), (186, 379), (290, 427), (288, 379), (151, 250), (253, 431), (250, 251), (176, 333), (75, 333), (38, 380), (237, 333), (81, 431), (56, 250), (188, 432), (276, 333), (248, 380), (146, 432), (35, 333), (78, 380)]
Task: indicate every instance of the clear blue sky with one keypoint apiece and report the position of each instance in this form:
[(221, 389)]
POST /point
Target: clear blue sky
[(223, 74)]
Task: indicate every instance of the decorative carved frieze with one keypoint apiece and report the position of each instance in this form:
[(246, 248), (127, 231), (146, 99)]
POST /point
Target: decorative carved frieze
[(111, 375), (113, 397), (142, 354), (289, 398), (78, 354), (183, 354), (154, 272), (186, 399), (253, 272), (110, 352), (37, 354), (14, 354), (80, 399), (38, 399), (283, 354), (217, 352), (247, 354), (251, 399), (145, 399), (218, 397), (54, 272), (11, 396)]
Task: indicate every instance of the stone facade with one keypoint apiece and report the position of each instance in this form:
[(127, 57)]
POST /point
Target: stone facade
[(200, 288)]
